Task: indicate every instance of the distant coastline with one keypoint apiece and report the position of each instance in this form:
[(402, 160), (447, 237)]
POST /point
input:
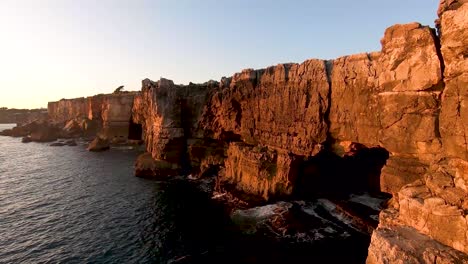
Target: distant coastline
[(21, 116)]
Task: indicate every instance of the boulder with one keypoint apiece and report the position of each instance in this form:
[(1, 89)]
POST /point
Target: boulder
[(99, 144)]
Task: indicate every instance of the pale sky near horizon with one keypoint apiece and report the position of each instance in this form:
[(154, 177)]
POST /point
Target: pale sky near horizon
[(53, 49)]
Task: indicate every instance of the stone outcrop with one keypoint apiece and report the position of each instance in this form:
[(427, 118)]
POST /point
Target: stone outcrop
[(260, 171), (169, 116)]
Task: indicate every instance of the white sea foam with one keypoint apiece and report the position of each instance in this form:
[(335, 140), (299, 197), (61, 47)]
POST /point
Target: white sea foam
[(367, 200)]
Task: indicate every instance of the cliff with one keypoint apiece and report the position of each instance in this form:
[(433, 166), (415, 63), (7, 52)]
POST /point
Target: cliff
[(435, 202), (393, 121), (108, 115)]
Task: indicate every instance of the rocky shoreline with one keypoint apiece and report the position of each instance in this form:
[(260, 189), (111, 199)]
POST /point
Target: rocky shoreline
[(391, 122)]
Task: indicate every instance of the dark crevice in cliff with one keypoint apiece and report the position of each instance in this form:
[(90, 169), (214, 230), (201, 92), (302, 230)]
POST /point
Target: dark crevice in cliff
[(135, 131), (185, 118), (328, 174), (441, 85), (438, 47), (329, 70)]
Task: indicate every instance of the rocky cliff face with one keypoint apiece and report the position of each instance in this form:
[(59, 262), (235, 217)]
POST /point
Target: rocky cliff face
[(286, 130), (393, 121), (108, 114), (169, 117), (433, 205), (282, 107), (67, 109)]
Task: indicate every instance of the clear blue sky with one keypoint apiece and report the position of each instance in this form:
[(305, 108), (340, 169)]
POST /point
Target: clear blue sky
[(53, 49)]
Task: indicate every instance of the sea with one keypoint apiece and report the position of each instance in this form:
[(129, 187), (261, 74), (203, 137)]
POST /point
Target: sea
[(68, 205)]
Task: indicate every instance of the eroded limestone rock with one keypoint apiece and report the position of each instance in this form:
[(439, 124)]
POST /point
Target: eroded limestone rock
[(454, 112), (169, 115), (404, 245), (283, 107), (260, 171), (354, 95)]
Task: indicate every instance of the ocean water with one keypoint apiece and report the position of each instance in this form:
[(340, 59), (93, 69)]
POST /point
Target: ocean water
[(68, 205)]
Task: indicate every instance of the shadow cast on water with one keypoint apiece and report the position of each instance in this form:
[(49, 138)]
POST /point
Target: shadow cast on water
[(187, 226)]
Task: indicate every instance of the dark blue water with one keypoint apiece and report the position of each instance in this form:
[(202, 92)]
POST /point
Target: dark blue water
[(68, 205)]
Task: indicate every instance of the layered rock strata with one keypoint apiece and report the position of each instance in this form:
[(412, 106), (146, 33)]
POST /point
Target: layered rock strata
[(169, 115), (265, 131), (106, 116)]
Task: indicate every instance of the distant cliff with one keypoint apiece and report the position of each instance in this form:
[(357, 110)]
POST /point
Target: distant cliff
[(110, 112), (21, 116)]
